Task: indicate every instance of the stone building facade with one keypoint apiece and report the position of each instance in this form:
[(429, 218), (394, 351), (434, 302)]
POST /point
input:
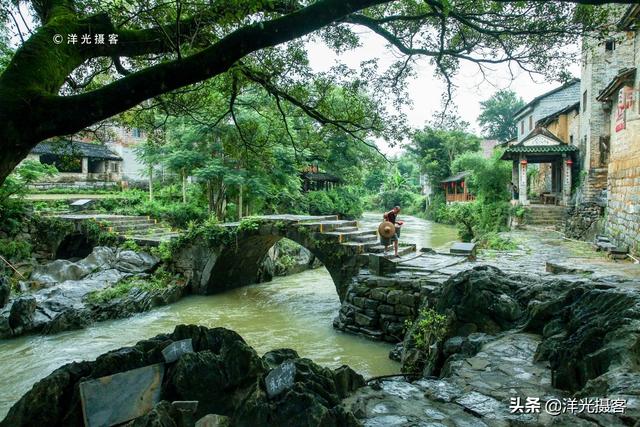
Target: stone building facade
[(544, 105), (601, 61), (620, 98)]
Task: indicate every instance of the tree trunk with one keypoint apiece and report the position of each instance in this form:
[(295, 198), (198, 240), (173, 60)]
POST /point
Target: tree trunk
[(151, 183), (210, 197), (184, 186), (240, 203)]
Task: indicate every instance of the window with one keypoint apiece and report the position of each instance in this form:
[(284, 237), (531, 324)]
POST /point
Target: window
[(135, 132), (531, 122), (610, 45), (571, 139), (521, 127), (584, 101)]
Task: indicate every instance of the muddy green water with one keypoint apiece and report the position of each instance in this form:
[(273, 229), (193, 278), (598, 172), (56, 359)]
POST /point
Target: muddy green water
[(294, 312)]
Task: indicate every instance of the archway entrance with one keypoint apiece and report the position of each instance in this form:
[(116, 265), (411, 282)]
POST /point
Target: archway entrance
[(74, 247)]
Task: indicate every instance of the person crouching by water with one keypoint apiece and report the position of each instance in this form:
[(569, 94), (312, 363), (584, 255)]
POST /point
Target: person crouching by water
[(392, 217)]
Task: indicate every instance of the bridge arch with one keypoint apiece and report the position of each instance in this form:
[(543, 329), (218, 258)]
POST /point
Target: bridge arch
[(237, 264)]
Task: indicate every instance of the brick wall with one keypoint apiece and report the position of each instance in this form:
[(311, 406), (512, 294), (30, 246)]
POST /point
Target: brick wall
[(623, 202)]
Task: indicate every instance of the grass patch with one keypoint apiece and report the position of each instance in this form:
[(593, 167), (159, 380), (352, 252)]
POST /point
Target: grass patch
[(159, 280), (496, 242)]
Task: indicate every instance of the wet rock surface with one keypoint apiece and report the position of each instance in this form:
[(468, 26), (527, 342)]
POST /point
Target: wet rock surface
[(512, 335), (53, 299), (224, 375)]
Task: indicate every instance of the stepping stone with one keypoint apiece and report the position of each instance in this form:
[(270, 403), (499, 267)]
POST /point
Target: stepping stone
[(460, 248)]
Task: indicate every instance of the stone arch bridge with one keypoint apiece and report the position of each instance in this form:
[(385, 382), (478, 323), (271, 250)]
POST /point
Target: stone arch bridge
[(341, 245)]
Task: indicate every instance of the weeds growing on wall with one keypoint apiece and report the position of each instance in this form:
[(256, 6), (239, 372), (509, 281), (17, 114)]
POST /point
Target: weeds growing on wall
[(160, 279)]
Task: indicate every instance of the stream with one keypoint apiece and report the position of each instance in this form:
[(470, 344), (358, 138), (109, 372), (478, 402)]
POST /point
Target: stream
[(290, 312)]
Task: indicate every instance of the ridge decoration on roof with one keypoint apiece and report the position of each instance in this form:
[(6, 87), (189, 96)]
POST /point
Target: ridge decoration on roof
[(539, 141)]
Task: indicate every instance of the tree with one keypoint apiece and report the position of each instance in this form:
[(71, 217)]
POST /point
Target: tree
[(497, 113), (53, 86), (436, 148)]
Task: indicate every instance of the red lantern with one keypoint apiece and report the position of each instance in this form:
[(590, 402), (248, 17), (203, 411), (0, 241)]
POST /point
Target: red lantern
[(523, 161), (569, 162), (462, 183)]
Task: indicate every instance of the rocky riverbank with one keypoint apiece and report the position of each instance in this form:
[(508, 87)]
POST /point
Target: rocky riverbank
[(231, 384), (482, 339), (58, 295)]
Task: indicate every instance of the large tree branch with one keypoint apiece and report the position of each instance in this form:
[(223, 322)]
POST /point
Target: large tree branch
[(165, 38), (71, 114)]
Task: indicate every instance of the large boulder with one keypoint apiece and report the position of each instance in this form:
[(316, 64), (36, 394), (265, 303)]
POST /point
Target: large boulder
[(61, 270), (480, 300), (5, 290), (135, 262), (22, 313), (223, 374)]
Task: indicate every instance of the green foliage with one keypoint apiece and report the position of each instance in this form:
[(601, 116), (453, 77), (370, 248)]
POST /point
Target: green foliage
[(249, 224), (404, 198), (494, 241), (163, 251), (160, 279), (15, 250), (98, 233), (345, 202), (436, 148), (496, 117), (130, 245), (50, 229), (430, 327), (12, 205)]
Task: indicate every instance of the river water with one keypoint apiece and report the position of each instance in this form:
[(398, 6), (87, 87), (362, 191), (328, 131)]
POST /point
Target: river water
[(290, 312)]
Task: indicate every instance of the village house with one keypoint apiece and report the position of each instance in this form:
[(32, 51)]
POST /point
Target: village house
[(587, 132), (544, 154), (456, 188), (78, 163)]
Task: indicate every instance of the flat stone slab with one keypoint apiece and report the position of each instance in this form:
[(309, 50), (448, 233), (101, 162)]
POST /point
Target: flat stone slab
[(121, 397), (463, 248), (176, 349), (280, 379)]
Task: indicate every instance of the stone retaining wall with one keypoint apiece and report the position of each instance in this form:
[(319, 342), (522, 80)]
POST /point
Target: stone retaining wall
[(378, 307), (583, 221)]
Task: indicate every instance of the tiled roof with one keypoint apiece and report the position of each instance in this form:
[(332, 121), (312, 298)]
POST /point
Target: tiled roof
[(320, 176), (457, 177), (75, 148), (562, 148), (544, 95)]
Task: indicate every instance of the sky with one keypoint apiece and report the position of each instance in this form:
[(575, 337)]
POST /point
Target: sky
[(425, 90)]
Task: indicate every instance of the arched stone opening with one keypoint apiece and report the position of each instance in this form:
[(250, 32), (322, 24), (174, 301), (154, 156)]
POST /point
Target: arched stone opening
[(74, 247), (240, 264), (286, 257)]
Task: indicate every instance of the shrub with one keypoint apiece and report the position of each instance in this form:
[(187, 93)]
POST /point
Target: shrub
[(160, 279), (17, 250), (403, 198), (495, 241), (320, 203), (430, 327)]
